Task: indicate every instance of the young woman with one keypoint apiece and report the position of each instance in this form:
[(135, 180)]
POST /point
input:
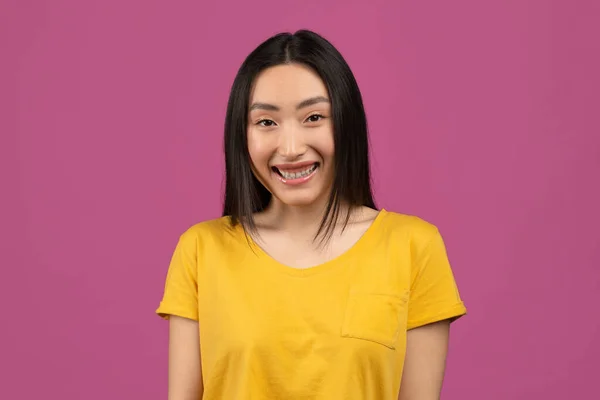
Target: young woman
[(303, 289)]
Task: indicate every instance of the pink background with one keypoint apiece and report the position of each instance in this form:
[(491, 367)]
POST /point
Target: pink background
[(484, 120)]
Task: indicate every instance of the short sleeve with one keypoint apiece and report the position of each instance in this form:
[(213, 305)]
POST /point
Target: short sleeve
[(180, 296), (434, 294)]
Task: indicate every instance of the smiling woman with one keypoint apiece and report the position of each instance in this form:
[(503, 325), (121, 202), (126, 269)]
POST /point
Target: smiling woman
[(303, 289), (290, 135), (304, 75)]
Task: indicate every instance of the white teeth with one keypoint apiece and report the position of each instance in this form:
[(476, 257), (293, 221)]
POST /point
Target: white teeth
[(300, 174)]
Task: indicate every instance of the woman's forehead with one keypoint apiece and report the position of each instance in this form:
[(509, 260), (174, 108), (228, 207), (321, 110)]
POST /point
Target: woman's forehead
[(287, 85)]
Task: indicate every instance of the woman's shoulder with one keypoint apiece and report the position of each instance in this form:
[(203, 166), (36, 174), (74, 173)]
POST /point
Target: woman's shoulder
[(419, 234), (414, 226), (214, 228)]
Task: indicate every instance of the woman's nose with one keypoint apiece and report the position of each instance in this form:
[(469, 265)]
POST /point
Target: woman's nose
[(291, 143)]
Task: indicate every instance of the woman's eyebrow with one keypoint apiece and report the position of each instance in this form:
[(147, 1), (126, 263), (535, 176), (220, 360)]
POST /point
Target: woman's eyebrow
[(304, 103), (312, 101), (263, 106)]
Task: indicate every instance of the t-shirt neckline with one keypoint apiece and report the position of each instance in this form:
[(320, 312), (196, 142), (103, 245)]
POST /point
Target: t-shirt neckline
[(271, 263)]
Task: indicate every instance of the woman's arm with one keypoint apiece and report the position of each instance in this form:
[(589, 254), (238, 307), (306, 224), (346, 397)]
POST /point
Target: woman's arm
[(425, 362), (185, 370)]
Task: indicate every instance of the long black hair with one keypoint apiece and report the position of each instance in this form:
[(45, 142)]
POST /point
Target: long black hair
[(244, 194)]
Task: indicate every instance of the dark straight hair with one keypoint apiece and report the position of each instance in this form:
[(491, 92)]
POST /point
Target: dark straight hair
[(244, 194)]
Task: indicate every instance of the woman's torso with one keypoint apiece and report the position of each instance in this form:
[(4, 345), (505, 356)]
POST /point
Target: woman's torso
[(336, 330)]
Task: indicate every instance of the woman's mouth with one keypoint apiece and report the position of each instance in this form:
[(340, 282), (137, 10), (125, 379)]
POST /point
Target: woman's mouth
[(295, 175)]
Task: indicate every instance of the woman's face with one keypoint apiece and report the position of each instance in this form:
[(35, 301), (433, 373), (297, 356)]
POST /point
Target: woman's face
[(290, 134)]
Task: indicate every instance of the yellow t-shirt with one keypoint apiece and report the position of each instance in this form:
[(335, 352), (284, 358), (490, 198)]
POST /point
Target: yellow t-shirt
[(333, 331)]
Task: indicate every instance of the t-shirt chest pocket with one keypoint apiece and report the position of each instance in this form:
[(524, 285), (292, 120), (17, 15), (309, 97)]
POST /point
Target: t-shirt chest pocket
[(376, 317)]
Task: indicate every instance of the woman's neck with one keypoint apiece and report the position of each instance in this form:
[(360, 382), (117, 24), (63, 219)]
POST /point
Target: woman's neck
[(303, 220)]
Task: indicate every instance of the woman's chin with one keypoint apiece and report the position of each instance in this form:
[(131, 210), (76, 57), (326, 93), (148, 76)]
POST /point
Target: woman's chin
[(298, 199)]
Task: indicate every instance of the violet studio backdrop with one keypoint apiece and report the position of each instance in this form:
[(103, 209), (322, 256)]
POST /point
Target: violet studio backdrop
[(483, 118)]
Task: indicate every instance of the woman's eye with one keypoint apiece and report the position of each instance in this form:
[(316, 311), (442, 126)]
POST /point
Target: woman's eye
[(266, 123), (315, 118)]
